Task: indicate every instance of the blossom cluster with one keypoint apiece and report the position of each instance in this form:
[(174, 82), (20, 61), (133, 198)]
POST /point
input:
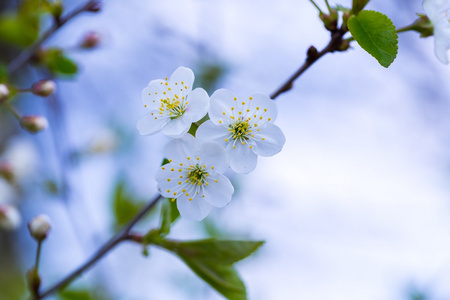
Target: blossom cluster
[(237, 132)]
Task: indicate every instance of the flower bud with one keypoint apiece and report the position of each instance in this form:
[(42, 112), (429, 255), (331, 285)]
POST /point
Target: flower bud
[(9, 217), (345, 45), (6, 171), (39, 227), (423, 25), (95, 6), (4, 92), (57, 9), (43, 88), (91, 40), (330, 21), (33, 124)]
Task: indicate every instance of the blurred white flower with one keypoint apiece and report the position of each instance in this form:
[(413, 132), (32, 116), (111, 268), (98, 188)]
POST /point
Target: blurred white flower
[(244, 127), (439, 13), (194, 176), (7, 192), (22, 157), (104, 140), (172, 105), (10, 218), (4, 92)]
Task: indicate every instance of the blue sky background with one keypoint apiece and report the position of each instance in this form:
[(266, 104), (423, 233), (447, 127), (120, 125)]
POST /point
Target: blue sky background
[(356, 206)]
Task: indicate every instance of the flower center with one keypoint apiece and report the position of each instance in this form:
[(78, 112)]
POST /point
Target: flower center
[(197, 174), (240, 130), (176, 108)]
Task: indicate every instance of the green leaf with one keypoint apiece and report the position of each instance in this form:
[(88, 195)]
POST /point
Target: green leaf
[(94, 293), (169, 211), (358, 5), (212, 260), (75, 295), (125, 206), (57, 63), (21, 29), (376, 34), (166, 220)]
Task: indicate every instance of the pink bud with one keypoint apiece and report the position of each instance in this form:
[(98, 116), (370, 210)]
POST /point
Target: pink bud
[(33, 124), (95, 6), (9, 217), (4, 92), (39, 227), (6, 171), (91, 40), (43, 88)]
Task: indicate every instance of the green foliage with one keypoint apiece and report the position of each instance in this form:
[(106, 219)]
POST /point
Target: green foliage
[(209, 74), (12, 283), (3, 73), (358, 5), (212, 260), (22, 28), (164, 228), (169, 211), (57, 63), (80, 294), (125, 205), (376, 34)]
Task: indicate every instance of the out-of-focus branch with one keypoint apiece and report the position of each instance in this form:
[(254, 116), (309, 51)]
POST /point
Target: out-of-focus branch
[(25, 56), (312, 56), (123, 235)]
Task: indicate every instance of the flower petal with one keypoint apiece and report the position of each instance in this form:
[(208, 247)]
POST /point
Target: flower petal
[(198, 105), (268, 141), (183, 77), (176, 128), (179, 149), (168, 180), (151, 94), (221, 102), (434, 8), (208, 131), (149, 125), (213, 155), (262, 108), (242, 158), (218, 193), (442, 39), (196, 209)]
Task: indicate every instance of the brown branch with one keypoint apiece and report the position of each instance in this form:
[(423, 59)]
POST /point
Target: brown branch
[(123, 235), (26, 55), (311, 57)]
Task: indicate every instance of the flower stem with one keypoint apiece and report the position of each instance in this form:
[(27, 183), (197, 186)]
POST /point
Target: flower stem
[(318, 8), (328, 5), (13, 110), (123, 235), (406, 28), (38, 256), (23, 57), (312, 57)]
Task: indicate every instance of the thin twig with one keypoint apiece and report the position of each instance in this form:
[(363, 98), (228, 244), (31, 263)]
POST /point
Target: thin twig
[(312, 57), (25, 56), (115, 240)]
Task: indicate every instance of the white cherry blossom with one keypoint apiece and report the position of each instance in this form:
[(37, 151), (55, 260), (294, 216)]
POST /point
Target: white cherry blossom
[(243, 127), (172, 105), (194, 177), (438, 11)]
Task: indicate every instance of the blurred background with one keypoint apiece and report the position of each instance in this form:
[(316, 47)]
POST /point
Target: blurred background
[(356, 205)]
